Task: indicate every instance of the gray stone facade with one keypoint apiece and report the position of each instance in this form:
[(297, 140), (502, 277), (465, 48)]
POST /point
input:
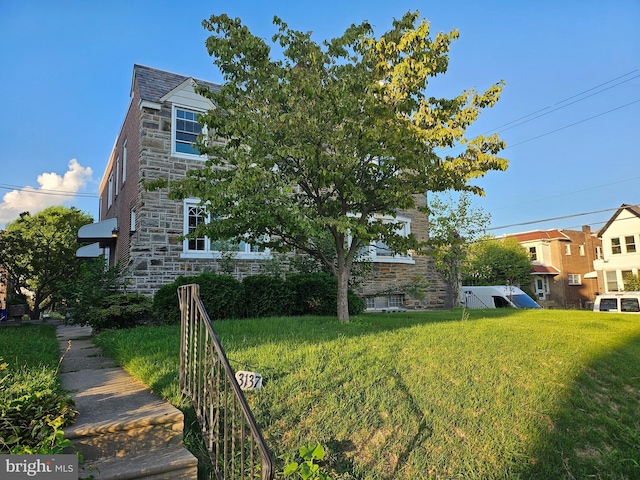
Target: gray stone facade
[(152, 249)]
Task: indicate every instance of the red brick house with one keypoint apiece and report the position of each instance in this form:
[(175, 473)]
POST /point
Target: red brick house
[(562, 266)]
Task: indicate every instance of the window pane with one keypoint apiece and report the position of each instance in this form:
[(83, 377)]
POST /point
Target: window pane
[(629, 305), (631, 244), (615, 246)]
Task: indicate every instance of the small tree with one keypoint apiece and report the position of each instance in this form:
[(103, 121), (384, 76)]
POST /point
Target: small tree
[(631, 282), (453, 226), (39, 251), (84, 293), (329, 143), (495, 261)]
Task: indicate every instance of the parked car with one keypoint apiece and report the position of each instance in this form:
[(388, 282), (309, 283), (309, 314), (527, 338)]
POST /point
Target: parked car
[(627, 302)]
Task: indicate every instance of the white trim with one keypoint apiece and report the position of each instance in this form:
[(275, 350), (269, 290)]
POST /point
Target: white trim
[(207, 253), (147, 104), (175, 153)]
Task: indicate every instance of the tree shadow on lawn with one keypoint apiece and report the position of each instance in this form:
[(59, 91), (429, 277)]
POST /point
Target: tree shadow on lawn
[(315, 329), (595, 433)]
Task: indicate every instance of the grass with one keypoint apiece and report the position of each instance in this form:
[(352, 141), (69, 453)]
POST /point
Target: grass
[(492, 394), (33, 405), (29, 346)]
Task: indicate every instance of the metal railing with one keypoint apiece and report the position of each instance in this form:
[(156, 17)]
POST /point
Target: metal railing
[(231, 434)]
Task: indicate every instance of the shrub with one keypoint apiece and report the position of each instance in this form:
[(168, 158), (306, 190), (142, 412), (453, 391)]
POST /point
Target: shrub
[(316, 294), (267, 296), (166, 308), (123, 310), (222, 296), (84, 293), (33, 410)]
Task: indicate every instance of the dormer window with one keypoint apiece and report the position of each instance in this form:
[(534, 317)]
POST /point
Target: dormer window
[(186, 131)]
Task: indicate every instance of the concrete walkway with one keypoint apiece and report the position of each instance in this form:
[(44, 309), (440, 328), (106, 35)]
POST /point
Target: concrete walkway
[(122, 430)]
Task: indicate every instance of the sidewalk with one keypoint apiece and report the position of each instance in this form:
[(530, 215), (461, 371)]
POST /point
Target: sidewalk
[(122, 430)]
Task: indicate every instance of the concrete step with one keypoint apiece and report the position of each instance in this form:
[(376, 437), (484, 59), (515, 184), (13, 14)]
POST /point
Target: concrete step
[(122, 430), (170, 463)]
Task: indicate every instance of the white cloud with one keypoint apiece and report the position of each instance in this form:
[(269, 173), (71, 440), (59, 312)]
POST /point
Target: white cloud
[(54, 190)]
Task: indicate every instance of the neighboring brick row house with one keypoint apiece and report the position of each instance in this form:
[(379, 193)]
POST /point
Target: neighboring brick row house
[(562, 266), (141, 229)]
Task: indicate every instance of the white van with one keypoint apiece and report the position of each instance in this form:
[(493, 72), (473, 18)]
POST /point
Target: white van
[(495, 296), (627, 302)]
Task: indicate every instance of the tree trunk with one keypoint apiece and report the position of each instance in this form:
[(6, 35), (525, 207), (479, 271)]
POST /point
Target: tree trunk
[(343, 298)]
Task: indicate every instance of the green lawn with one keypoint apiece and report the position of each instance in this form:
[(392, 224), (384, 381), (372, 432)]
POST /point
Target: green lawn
[(486, 394)]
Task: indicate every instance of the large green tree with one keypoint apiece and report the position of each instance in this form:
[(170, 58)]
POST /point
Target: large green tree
[(39, 251), (322, 142), (454, 224), (495, 261)]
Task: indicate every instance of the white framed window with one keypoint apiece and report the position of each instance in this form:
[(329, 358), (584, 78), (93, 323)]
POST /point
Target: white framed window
[(533, 254), (202, 247), (379, 252), (567, 249), (124, 162), (611, 278), (599, 252), (574, 279), (185, 132), (395, 301), (110, 190), (630, 244), (117, 174), (132, 217), (581, 250), (616, 247)]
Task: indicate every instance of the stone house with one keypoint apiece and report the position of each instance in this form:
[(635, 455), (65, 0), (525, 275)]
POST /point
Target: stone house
[(620, 252), (142, 229), (562, 266)]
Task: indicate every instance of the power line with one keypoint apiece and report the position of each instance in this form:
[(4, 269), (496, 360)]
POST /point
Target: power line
[(570, 98), (572, 124), (556, 218), (563, 106), (44, 191)]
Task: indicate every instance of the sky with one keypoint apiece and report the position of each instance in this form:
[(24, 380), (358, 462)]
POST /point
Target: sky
[(569, 113)]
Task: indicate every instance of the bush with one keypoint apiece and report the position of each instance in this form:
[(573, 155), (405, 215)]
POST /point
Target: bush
[(124, 310), (85, 293), (166, 308), (33, 410), (222, 296), (267, 296), (316, 294), (256, 296)]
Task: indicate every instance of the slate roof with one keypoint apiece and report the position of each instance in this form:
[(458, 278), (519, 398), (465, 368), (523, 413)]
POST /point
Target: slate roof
[(153, 84)]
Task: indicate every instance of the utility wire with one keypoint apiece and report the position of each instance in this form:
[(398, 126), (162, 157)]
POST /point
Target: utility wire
[(44, 191), (556, 218), (567, 99), (572, 124), (560, 108)]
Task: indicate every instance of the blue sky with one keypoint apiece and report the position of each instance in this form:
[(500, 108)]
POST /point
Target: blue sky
[(570, 111)]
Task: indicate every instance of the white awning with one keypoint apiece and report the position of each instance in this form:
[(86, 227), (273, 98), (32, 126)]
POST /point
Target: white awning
[(590, 275), (89, 251), (99, 231)]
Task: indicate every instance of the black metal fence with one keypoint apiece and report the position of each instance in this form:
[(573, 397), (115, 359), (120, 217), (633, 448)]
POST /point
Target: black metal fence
[(232, 436)]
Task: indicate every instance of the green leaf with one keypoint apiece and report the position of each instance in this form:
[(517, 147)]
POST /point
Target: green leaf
[(290, 469)]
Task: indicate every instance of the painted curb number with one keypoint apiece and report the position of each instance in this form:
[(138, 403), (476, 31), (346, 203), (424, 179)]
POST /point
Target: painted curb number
[(249, 380)]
